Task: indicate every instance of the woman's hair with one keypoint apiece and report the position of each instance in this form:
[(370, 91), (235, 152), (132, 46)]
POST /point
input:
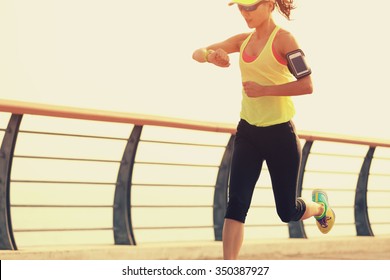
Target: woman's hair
[(285, 7)]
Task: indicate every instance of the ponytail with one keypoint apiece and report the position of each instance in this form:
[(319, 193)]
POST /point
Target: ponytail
[(285, 7)]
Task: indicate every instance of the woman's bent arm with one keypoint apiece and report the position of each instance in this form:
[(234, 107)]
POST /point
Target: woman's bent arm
[(218, 53)]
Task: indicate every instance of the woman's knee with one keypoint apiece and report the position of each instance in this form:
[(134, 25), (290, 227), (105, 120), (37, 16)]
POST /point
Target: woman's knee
[(294, 213), (285, 217), (236, 210)]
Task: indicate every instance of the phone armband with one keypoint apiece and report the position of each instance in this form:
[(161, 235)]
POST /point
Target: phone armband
[(297, 64)]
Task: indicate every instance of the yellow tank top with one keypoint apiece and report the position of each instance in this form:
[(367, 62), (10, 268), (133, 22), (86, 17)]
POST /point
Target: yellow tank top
[(265, 70)]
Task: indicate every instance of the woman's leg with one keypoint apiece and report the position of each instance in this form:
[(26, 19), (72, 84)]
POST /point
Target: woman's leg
[(283, 160), (233, 236), (245, 171), (284, 163)]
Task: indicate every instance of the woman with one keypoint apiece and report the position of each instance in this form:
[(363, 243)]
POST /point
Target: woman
[(265, 131)]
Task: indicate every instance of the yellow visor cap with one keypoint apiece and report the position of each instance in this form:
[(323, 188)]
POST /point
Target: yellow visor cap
[(245, 2)]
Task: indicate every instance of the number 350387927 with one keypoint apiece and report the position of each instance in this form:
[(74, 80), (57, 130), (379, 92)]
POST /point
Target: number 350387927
[(244, 270)]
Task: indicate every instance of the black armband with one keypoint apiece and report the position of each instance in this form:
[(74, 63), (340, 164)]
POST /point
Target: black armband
[(297, 64)]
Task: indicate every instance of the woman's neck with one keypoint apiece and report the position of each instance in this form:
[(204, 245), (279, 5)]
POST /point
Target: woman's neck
[(265, 28)]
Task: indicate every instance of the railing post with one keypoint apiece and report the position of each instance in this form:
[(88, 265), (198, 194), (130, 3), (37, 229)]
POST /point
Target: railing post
[(123, 228), (7, 241), (296, 229), (362, 221), (221, 190)]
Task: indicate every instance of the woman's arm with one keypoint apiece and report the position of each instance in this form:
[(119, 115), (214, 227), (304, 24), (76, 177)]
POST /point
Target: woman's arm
[(218, 53), (284, 43), (300, 87)]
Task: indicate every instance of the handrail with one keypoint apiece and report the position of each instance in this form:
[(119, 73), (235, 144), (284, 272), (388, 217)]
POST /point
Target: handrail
[(19, 107), (122, 206)]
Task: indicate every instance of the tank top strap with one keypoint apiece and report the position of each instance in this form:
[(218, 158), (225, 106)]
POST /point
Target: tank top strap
[(272, 37)]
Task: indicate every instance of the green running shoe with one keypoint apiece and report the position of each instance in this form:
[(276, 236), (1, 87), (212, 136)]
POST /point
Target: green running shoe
[(325, 222)]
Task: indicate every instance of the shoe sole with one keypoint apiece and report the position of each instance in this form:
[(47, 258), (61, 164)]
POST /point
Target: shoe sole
[(331, 219)]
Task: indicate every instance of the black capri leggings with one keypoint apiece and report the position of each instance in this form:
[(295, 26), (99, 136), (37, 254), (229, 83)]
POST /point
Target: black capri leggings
[(279, 146)]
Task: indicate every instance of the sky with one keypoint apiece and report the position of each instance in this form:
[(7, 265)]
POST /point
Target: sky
[(135, 56)]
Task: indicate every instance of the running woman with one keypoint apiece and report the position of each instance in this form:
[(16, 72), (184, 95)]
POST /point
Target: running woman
[(265, 131)]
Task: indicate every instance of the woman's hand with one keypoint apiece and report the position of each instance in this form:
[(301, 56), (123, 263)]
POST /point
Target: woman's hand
[(253, 89), (219, 58)]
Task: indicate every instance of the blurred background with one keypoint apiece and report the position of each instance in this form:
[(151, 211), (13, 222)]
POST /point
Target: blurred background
[(135, 56)]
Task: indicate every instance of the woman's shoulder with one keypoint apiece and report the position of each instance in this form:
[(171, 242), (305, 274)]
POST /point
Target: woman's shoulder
[(284, 36), (242, 37), (237, 40), (285, 41)]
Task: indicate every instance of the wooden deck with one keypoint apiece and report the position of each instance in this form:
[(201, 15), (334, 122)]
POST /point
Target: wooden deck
[(328, 248)]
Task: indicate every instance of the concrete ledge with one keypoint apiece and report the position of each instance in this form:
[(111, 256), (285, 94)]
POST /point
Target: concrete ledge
[(347, 248)]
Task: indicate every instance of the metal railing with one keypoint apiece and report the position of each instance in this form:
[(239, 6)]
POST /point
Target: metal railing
[(169, 177)]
